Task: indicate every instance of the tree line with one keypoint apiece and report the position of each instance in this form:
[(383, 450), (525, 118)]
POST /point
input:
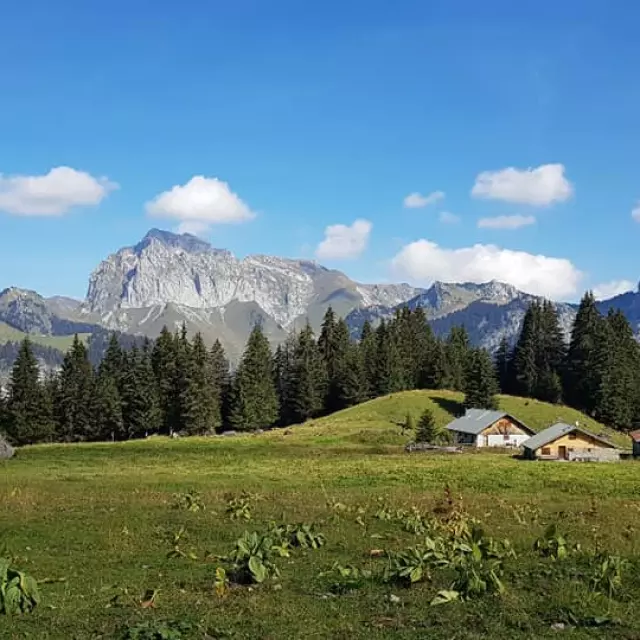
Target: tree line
[(597, 371), (177, 384)]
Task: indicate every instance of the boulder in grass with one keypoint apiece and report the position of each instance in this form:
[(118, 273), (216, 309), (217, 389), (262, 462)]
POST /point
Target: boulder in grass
[(6, 450)]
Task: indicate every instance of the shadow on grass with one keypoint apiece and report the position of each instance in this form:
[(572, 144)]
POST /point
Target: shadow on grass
[(454, 407)]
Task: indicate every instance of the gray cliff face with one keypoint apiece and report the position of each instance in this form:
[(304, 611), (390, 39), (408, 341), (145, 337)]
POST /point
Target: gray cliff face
[(186, 271)]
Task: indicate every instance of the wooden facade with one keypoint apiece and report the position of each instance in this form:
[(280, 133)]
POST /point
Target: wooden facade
[(575, 445)]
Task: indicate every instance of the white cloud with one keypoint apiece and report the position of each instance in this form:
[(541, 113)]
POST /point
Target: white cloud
[(51, 194), (610, 289), (423, 262), (200, 203), (343, 241), (506, 222), (539, 187), (635, 212), (446, 217), (418, 201)]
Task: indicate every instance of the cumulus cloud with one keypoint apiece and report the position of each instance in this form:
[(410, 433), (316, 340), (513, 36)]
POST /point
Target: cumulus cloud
[(199, 203), (635, 212), (53, 193), (446, 217), (614, 288), (541, 186), (423, 262), (343, 241), (506, 222), (416, 200)]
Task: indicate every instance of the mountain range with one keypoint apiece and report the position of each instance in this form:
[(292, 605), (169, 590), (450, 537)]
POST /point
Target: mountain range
[(170, 279)]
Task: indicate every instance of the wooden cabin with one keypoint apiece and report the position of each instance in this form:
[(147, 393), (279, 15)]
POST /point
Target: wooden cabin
[(570, 442), (482, 428)]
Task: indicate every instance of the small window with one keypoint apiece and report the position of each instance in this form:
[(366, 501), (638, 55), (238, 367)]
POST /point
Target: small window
[(572, 436), (546, 451), (505, 436)]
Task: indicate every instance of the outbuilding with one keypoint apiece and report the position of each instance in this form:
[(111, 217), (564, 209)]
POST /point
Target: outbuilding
[(483, 428), (570, 442)]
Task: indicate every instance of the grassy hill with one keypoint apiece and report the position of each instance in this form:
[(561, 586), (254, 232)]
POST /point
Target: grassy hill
[(120, 506), (377, 421), (62, 343)]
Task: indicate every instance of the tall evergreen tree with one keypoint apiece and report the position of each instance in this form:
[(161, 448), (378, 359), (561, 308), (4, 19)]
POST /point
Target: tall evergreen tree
[(584, 366), (369, 355), (221, 379), (254, 403), (201, 399), (106, 407), (140, 405), (164, 361), (481, 386), (525, 361), (550, 355), (389, 374), (28, 418), (76, 388), (457, 354), (307, 390), (503, 366), (338, 376)]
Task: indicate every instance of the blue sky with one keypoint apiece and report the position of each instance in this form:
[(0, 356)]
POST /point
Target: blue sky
[(302, 116)]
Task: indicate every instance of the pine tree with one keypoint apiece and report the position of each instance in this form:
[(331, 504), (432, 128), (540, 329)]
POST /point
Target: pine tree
[(283, 379), (481, 386), (76, 388), (164, 361), (201, 399), (503, 366), (436, 373), (389, 374), (617, 396), (343, 385), (112, 362), (141, 411), (28, 418), (584, 366), (550, 355), (254, 403), (106, 407), (307, 390), (369, 356), (427, 430), (525, 361), (221, 380), (457, 354)]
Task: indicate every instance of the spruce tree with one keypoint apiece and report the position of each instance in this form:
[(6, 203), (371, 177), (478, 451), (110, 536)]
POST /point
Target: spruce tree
[(457, 355), (584, 366), (427, 430), (254, 403), (481, 386), (525, 361), (164, 361), (283, 379), (106, 407), (221, 380), (308, 378), (76, 388), (550, 355), (140, 405), (389, 374), (504, 366), (201, 399), (28, 418), (343, 385), (369, 356)]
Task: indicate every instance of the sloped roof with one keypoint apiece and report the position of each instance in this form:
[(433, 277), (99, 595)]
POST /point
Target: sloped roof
[(475, 421), (556, 431), (635, 435)]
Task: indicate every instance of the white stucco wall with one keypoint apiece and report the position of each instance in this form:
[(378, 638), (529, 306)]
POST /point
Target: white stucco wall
[(499, 440)]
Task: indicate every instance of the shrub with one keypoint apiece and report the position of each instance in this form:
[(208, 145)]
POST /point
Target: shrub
[(18, 591)]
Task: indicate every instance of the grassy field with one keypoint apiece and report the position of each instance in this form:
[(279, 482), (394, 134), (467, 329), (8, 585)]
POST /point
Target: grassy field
[(96, 522), (10, 334)]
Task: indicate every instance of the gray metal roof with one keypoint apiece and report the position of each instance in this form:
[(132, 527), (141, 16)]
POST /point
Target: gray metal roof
[(556, 431), (475, 421)]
